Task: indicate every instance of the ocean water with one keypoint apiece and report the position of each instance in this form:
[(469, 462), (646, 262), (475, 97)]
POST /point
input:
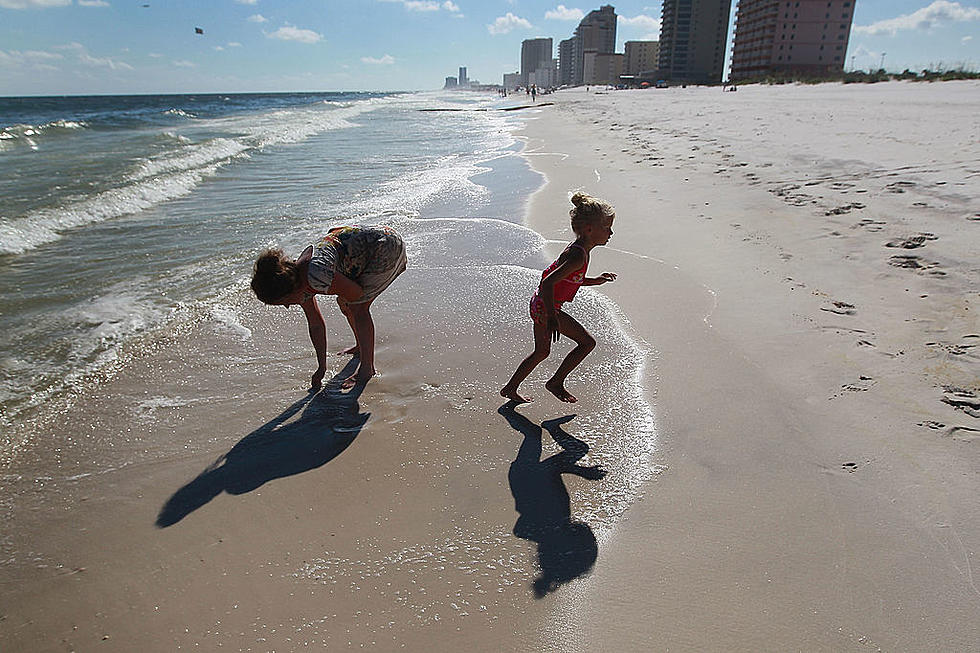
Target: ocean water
[(131, 344), (130, 222), (118, 212)]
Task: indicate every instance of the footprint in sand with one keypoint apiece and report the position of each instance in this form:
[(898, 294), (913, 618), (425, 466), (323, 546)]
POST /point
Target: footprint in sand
[(840, 308), (916, 263), (965, 349), (912, 242), (962, 399), (870, 225), (899, 186), (847, 208), (964, 433), (850, 467), (959, 433), (863, 384)]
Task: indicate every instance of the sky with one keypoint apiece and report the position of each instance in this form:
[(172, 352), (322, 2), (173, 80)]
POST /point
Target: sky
[(67, 47)]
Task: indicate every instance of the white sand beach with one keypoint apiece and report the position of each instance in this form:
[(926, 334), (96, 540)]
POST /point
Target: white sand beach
[(785, 400)]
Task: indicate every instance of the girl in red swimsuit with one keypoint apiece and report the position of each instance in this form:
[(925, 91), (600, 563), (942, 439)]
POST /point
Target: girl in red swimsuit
[(592, 223)]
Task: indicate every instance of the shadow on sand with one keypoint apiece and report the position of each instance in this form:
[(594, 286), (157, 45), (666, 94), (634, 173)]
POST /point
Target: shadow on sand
[(329, 423), (567, 549)]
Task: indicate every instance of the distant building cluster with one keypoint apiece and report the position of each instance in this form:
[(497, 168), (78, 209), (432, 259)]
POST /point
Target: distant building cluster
[(458, 82), (772, 37)]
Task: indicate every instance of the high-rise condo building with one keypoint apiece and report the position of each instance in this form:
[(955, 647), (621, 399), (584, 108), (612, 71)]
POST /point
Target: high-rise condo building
[(535, 53), (693, 34), (780, 37), (640, 57), (463, 80), (596, 33), (566, 62)]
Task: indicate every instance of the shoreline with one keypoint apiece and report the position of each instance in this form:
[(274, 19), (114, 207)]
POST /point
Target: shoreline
[(202, 497)]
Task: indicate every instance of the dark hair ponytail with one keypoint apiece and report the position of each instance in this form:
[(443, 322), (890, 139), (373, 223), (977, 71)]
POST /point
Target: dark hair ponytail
[(274, 276)]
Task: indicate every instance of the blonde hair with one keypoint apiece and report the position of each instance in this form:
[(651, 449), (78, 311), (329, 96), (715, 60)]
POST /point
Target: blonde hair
[(589, 211)]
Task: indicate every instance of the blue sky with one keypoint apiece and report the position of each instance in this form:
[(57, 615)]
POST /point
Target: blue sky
[(122, 46)]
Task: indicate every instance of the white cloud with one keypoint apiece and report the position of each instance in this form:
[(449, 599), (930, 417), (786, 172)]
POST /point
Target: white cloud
[(427, 6), (218, 48), (421, 5), (183, 63), (257, 18), (386, 60), (642, 21), (155, 55), (31, 58), (83, 57), (966, 39), (33, 4), (508, 23), (247, 2), (234, 44), (93, 3), (561, 12), (939, 11), (293, 33), (648, 25), (103, 62)]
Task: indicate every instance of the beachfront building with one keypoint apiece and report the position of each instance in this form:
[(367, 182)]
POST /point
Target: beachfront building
[(463, 80), (566, 62), (451, 82), (640, 57), (602, 68), (693, 35), (512, 81), (545, 76), (797, 37), (535, 54), (595, 33)]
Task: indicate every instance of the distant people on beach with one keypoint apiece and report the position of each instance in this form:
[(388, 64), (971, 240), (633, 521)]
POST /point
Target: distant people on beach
[(355, 263), (534, 92), (591, 220)]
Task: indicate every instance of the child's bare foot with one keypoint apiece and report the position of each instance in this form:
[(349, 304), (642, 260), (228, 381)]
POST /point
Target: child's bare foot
[(353, 351), (558, 389), (359, 377), (511, 393)]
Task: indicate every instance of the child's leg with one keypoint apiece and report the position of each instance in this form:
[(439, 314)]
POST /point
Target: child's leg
[(542, 348), (363, 325), (346, 310), (585, 343)]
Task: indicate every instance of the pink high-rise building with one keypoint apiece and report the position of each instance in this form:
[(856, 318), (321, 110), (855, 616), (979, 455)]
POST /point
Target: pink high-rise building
[(774, 37)]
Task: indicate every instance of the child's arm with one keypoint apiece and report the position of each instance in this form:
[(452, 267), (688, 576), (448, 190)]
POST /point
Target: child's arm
[(601, 279), (318, 336)]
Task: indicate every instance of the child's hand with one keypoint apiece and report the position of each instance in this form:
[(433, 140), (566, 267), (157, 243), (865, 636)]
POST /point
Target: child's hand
[(606, 276), (552, 323)]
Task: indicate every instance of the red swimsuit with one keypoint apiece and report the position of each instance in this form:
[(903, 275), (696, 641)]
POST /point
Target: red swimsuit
[(564, 289)]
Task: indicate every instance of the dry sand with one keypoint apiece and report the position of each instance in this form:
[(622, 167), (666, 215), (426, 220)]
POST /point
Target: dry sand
[(797, 296), (806, 261)]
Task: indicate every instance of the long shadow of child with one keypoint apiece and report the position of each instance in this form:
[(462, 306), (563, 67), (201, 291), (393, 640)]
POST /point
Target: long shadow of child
[(567, 549), (328, 425)]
